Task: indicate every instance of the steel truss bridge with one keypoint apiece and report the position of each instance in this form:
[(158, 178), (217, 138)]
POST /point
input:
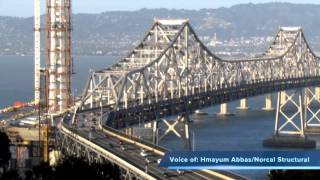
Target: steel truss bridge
[(172, 73)]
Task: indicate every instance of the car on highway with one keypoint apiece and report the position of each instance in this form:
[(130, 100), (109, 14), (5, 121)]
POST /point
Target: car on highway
[(179, 171), (147, 161), (143, 153)]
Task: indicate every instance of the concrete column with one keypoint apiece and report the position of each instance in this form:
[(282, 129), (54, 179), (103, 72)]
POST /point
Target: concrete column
[(187, 134), (243, 104), (268, 105), (283, 97), (128, 131), (317, 92), (224, 110), (148, 125)]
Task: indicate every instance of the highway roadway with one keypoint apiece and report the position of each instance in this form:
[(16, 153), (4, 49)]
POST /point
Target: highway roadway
[(132, 154), (147, 161)]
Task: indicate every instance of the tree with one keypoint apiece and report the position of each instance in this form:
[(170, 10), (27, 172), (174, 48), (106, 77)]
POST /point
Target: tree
[(43, 171), (74, 168), (77, 168), (10, 175), (5, 154)]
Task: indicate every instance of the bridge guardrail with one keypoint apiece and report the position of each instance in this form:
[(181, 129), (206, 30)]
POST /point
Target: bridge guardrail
[(106, 153), (134, 140)]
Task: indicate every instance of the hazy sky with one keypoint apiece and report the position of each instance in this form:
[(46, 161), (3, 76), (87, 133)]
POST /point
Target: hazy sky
[(25, 7)]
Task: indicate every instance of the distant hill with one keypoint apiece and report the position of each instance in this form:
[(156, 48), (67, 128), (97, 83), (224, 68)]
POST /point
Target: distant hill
[(116, 32)]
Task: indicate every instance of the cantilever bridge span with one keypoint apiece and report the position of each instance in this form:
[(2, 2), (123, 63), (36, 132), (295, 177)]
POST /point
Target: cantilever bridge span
[(172, 72)]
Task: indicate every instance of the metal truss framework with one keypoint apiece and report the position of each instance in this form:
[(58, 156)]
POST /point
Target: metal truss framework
[(171, 65), (171, 62), (172, 73), (181, 134), (289, 123), (297, 111), (311, 108)]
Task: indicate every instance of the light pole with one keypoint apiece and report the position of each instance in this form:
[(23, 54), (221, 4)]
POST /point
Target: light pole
[(146, 164), (100, 122), (193, 141), (75, 95), (146, 168)]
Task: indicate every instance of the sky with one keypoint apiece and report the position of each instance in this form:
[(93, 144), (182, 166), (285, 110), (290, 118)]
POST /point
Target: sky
[(24, 8)]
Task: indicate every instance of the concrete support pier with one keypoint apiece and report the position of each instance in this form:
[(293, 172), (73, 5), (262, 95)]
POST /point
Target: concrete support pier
[(268, 105), (283, 97), (243, 104), (289, 142), (224, 110), (312, 130), (148, 125)]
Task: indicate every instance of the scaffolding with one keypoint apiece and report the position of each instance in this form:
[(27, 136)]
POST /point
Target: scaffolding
[(37, 51), (58, 61), (55, 94)]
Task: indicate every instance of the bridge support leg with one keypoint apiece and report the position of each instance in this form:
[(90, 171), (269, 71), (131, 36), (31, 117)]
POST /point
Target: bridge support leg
[(289, 123), (184, 135), (268, 105), (312, 111), (243, 104), (224, 110)]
